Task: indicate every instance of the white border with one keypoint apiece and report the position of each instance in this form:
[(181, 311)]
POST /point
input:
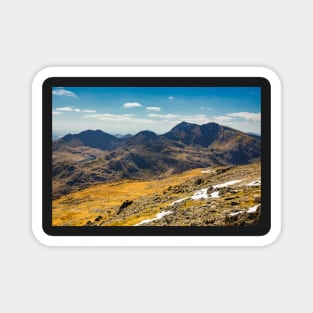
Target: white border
[(160, 240)]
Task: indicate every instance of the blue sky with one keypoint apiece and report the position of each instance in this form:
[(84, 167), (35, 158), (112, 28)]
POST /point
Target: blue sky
[(128, 110)]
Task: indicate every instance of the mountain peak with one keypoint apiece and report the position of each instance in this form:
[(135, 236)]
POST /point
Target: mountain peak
[(146, 133), (91, 138), (143, 137), (202, 135), (184, 125)]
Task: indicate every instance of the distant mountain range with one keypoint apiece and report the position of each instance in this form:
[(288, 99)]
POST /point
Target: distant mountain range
[(90, 138), (90, 157)]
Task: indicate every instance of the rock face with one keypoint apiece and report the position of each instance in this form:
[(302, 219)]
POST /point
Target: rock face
[(93, 157)]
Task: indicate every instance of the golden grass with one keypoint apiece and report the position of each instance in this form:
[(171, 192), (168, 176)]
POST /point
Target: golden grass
[(134, 219), (77, 208)]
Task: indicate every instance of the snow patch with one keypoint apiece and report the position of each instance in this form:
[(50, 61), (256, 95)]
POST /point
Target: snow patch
[(157, 217), (200, 194), (254, 183), (215, 194), (253, 209), (235, 213), (206, 171), (232, 182), (180, 200), (203, 193)]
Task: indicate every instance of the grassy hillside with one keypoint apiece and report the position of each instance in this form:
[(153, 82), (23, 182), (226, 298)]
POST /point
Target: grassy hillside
[(193, 197)]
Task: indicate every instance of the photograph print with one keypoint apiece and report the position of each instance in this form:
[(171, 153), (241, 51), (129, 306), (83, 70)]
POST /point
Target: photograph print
[(156, 156)]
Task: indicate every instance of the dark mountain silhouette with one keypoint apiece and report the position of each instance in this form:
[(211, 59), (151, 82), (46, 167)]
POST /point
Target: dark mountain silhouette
[(224, 144), (254, 135), (90, 138), (147, 155), (122, 136), (143, 137), (203, 135)]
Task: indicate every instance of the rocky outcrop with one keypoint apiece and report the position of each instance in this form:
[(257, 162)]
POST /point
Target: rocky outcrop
[(124, 205)]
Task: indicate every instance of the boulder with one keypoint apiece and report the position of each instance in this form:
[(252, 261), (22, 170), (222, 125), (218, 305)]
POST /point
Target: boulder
[(124, 205), (198, 181), (97, 219)]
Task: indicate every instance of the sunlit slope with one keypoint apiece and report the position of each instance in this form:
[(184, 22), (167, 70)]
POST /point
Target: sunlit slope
[(79, 207), (130, 202)]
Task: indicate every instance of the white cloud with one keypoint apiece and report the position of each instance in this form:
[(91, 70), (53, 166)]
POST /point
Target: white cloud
[(253, 117), (244, 121), (167, 116), (60, 91), (128, 105), (120, 118), (197, 119), (111, 117), (246, 115), (175, 118), (89, 111), (171, 98), (68, 109), (205, 108), (56, 113), (76, 110), (158, 109), (221, 118)]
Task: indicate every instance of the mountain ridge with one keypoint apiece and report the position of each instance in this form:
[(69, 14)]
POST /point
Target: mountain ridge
[(91, 138), (146, 155), (182, 126)]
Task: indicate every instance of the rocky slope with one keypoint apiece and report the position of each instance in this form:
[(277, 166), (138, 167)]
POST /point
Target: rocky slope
[(218, 196)]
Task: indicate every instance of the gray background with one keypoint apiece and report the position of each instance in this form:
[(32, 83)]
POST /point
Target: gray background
[(36, 34)]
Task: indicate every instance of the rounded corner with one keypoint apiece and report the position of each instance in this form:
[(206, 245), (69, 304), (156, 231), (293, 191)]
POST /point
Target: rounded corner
[(270, 75), (42, 76), (42, 73), (271, 236), (41, 236)]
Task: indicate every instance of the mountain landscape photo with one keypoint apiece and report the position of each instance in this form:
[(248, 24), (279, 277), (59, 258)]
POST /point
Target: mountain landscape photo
[(166, 159)]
